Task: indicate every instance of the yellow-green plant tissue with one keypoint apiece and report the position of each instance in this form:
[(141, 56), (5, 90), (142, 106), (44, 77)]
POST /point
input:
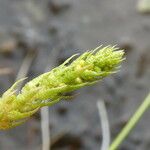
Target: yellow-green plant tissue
[(51, 87)]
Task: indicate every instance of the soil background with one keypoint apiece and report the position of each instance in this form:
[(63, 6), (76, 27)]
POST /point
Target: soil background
[(49, 31)]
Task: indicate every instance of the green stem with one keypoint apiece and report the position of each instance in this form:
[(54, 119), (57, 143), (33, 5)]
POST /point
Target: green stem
[(132, 122)]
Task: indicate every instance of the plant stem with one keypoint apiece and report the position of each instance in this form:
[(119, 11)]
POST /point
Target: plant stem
[(132, 122)]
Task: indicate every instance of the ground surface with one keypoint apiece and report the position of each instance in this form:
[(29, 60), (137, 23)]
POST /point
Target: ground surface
[(68, 27)]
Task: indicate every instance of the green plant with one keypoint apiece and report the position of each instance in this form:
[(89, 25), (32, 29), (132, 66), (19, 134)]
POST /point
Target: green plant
[(49, 88), (130, 124)]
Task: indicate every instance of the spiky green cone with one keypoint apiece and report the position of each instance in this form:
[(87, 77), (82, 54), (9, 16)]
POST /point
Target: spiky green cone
[(49, 88)]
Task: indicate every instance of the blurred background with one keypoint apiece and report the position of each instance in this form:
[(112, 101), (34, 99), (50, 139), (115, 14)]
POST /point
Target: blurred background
[(37, 35)]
